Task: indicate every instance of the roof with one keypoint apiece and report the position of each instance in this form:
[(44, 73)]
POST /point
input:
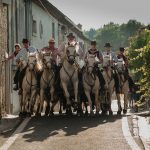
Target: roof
[(56, 13)]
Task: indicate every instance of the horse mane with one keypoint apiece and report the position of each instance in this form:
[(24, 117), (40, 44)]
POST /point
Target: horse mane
[(38, 66)]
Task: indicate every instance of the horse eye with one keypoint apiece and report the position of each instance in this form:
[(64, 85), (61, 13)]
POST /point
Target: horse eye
[(68, 51)]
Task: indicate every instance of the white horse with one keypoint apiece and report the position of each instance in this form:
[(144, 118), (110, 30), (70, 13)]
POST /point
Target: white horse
[(69, 77), (91, 84), (29, 84), (110, 83), (124, 85), (47, 81)]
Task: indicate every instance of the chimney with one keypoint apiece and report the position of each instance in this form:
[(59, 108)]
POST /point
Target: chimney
[(79, 26)]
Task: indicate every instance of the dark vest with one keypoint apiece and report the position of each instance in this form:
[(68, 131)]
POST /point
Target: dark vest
[(96, 53)]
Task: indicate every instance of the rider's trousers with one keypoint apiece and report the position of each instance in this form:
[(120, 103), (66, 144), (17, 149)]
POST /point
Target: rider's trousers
[(21, 76), (16, 76)]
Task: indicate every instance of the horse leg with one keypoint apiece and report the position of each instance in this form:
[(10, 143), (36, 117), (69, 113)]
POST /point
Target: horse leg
[(68, 110), (97, 102), (32, 101), (76, 91), (60, 106), (21, 104), (109, 100), (52, 100), (119, 104), (24, 102), (89, 101), (125, 103), (42, 97)]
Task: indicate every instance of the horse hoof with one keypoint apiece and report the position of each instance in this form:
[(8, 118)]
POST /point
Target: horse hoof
[(20, 114), (29, 114), (51, 113), (60, 112), (120, 108), (118, 112), (38, 114), (86, 113), (91, 113), (124, 111), (110, 113), (97, 114), (79, 113), (104, 113)]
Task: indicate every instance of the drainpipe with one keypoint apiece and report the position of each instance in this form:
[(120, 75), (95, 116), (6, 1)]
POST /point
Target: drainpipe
[(28, 18)]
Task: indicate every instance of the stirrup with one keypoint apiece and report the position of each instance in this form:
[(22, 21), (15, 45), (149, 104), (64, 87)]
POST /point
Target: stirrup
[(15, 88), (20, 92)]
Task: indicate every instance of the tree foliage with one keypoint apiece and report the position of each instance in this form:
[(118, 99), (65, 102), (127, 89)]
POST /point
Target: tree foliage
[(115, 34), (139, 55)]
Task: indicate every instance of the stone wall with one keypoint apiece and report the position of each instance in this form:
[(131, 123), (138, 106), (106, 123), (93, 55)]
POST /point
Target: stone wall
[(3, 50)]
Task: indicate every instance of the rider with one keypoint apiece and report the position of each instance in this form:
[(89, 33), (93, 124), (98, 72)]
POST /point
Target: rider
[(98, 55), (127, 76), (122, 55), (71, 41), (54, 53), (23, 53), (107, 51), (12, 56)]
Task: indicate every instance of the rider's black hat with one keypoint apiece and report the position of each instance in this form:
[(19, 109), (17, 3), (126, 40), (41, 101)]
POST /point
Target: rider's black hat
[(25, 41), (107, 45), (70, 35), (93, 42), (122, 49)]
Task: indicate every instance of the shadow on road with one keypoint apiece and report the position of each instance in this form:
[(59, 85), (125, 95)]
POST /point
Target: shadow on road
[(42, 128)]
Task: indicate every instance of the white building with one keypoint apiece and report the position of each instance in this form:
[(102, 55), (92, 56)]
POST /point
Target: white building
[(37, 20)]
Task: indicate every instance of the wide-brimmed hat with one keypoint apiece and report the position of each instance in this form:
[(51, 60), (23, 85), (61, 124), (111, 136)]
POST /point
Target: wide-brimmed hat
[(93, 42), (70, 35), (107, 45), (25, 41), (51, 40), (122, 49), (17, 44)]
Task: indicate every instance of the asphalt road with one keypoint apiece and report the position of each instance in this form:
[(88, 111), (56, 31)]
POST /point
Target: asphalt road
[(72, 133)]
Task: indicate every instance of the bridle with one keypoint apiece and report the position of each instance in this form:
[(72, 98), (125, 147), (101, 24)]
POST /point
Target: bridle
[(93, 77), (70, 55)]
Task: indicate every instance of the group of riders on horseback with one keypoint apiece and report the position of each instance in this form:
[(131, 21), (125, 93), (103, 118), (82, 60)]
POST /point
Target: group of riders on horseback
[(90, 76)]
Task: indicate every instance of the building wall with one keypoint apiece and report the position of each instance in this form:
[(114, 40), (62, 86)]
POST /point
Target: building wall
[(43, 20), (4, 85), (20, 25)]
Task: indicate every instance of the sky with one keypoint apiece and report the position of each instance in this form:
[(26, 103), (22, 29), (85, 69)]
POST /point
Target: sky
[(96, 13)]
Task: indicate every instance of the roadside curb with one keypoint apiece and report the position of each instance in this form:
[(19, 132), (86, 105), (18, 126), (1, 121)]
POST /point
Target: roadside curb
[(9, 123), (141, 128)]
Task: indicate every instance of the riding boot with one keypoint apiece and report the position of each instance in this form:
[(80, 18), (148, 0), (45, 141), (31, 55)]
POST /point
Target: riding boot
[(57, 77), (16, 80), (117, 85), (21, 76), (131, 83), (38, 78), (102, 81)]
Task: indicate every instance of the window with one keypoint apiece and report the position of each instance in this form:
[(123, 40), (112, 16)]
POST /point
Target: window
[(53, 30), (34, 27), (41, 29)]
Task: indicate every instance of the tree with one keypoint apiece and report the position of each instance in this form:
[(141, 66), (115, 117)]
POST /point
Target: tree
[(115, 34), (139, 54)]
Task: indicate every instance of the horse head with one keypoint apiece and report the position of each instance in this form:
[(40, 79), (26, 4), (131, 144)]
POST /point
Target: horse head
[(91, 62), (71, 54), (21, 63), (47, 60), (32, 61), (120, 65)]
